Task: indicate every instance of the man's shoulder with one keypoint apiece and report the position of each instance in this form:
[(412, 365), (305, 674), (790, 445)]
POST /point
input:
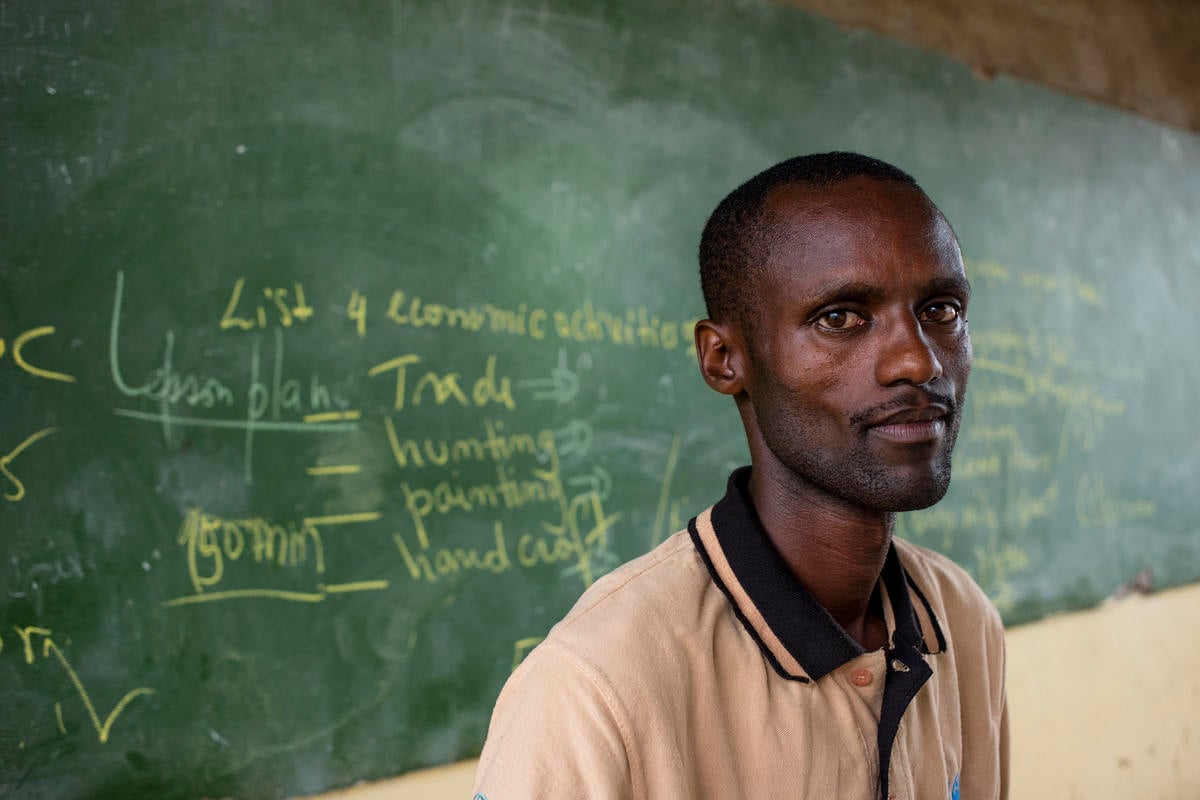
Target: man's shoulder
[(668, 576), (572, 717), (645, 602), (951, 590)]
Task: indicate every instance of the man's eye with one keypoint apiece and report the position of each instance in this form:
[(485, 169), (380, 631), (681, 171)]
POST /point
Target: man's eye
[(942, 313), (839, 320)]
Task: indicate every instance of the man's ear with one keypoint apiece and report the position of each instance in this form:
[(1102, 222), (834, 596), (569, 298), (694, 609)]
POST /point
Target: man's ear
[(721, 355)]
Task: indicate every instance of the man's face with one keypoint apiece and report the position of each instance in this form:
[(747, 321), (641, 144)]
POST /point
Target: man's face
[(859, 355)]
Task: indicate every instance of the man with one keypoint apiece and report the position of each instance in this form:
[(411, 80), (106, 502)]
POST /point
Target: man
[(785, 645)]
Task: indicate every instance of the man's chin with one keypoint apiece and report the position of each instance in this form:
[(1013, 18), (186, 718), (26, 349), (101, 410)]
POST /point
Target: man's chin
[(916, 503), (909, 495)]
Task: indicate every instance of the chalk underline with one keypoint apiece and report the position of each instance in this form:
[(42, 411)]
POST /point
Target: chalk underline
[(324, 590), (238, 424)]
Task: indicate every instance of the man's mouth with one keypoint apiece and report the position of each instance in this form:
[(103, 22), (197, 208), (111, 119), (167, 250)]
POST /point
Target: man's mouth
[(917, 432), (919, 424)]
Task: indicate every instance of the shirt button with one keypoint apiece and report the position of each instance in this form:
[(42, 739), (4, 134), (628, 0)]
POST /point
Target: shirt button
[(861, 677)]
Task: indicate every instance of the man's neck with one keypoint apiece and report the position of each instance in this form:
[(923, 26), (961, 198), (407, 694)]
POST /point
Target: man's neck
[(835, 550)]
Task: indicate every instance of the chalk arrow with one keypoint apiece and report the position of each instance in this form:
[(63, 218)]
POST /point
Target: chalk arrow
[(598, 483), (562, 386), (574, 438)]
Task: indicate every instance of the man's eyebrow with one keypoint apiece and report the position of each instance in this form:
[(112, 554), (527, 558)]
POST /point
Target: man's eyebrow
[(863, 292), (845, 290), (957, 284)]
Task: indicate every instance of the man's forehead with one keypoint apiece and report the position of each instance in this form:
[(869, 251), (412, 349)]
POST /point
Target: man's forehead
[(862, 196), (849, 218)]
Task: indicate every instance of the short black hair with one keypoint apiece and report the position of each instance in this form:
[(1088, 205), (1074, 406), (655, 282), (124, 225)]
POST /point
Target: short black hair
[(735, 241)]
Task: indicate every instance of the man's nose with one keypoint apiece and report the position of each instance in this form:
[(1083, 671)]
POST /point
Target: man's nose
[(905, 356)]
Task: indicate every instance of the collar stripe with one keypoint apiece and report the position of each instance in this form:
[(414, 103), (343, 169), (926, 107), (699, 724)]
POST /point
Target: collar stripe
[(737, 609)]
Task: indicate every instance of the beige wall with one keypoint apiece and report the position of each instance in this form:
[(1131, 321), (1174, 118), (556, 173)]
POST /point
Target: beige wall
[(1105, 704)]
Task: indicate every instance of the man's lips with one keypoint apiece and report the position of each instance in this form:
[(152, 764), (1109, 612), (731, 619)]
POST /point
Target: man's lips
[(911, 424)]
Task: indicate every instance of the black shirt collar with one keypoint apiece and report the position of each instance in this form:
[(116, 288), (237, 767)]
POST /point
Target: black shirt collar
[(762, 588)]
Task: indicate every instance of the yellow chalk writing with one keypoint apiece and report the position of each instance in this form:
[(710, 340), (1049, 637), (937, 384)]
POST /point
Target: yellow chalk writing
[(228, 320), (1011, 457), (940, 524), (16, 490), (441, 562), (576, 538), (495, 445), (332, 416), (448, 495), (569, 540), (660, 515), (26, 635), (1097, 507), (343, 519), (50, 647), (400, 364), (320, 595), (446, 387), (411, 312), (279, 308), (996, 563), (356, 310), (630, 327), (1045, 384), (234, 594), (355, 586), (1029, 507), (1070, 284), (987, 270), (211, 541), (18, 347), (335, 469)]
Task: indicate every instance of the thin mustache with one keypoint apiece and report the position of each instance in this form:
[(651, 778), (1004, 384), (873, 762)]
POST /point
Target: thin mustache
[(907, 401)]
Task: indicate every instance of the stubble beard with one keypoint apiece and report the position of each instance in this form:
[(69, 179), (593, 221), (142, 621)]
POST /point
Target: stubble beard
[(860, 477)]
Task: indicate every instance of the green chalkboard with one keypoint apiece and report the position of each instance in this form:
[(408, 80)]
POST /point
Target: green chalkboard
[(344, 344)]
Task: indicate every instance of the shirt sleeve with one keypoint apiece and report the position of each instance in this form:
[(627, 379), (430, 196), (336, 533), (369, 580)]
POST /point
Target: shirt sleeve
[(557, 732)]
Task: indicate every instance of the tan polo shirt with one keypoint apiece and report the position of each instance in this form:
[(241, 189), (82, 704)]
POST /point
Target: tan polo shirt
[(704, 670)]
